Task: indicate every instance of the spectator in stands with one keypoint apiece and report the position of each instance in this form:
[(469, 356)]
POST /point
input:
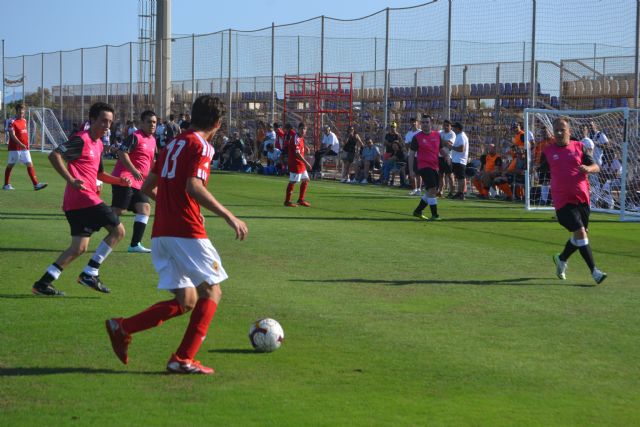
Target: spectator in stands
[(279, 136), (398, 161), (513, 176), (414, 178), (392, 136), (261, 135), (445, 171), (370, 158), (330, 146), (131, 127), (459, 157), (600, 141), (543, 177), (518, 134), (161, 133), (274, 161), (185, 123), (609, 177), (180, 120), (490, 167), (235, 149), (172, 129), (348, 155), (269, 138)]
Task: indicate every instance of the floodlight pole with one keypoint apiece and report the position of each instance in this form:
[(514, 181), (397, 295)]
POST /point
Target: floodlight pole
[(386, 71), (636, 88), (4, 109), (533, 57), (273, 70)]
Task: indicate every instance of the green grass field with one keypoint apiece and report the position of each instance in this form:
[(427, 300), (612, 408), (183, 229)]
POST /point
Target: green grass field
[(388, 320)]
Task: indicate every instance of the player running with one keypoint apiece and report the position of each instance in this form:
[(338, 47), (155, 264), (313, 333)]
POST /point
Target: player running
[(19, 150), (569, 164), (135, 158), (183, 256), (85, 211)]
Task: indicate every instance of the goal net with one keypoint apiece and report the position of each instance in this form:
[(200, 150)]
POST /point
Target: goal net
[(613, 134), (45, 132)]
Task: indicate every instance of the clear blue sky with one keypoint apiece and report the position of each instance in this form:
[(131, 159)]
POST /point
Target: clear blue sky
[(47, 26)]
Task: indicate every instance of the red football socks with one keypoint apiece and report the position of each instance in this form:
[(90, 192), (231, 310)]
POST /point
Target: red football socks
[(152, 316), (7, 175), (197, 330), (289, 191), (303, 189), (32, 174)]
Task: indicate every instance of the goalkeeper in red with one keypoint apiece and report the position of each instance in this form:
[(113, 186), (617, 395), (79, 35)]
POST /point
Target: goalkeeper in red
[(569, 164), (182, 254)]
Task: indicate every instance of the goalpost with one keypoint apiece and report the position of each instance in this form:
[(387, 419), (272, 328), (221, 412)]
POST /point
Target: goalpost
[(614, 135), (45, 132)]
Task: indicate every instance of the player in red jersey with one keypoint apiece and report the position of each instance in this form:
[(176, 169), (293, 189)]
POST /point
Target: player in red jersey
[(569, 164), (298, 166), (85, 211), (135, 158), (19, 150), (183, 256)]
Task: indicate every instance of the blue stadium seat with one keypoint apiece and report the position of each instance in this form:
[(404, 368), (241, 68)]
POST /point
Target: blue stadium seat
[(501, 89), (598, 103), (518, 103), (504, 103), (474, 90), (526, 103), (522, 88), (624, 102), (486, 91), (422, 93), (507, 89), (429, 91), (555, 103), (538, 90)]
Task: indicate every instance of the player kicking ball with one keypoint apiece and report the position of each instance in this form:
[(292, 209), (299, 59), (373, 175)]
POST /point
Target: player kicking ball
[(569, 164), (298, 166), (186, 261)]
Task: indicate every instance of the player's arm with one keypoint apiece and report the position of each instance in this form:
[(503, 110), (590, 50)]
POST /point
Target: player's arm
[(299, 157), (128, 145), (149, 187), (413, 149), (197, 190), (14, 138), (110, 179), (588, 163), (67, 151)]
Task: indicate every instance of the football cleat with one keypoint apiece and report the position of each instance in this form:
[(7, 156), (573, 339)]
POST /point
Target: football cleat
[(46, 289), (561, 267), (435, 218), (177, 365), (290, 205), (304, 203), (120, 340), (138, 249), (40, 186), (598, 276), (93, 282), (419, 215), (8, 187)]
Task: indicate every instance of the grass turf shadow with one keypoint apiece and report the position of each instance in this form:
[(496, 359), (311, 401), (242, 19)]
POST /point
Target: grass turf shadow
[(520, 281)]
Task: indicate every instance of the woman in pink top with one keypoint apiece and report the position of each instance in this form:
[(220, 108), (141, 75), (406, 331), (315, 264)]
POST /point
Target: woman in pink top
[(569, 164)]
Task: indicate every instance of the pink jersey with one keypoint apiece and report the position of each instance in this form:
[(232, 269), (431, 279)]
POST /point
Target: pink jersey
[(177, 213), (84, 162), (568, 184), (427, 145), (141, 149)]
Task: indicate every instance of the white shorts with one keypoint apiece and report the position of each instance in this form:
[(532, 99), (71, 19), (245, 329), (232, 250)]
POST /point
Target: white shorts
[(297, 177), (22, 156), (186, 263)]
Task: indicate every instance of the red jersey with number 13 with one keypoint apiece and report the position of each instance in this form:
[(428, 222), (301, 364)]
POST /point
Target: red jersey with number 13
[(177, 213)]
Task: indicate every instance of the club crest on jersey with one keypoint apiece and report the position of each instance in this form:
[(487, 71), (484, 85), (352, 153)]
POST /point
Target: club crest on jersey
[(556, 157), (216, 266)]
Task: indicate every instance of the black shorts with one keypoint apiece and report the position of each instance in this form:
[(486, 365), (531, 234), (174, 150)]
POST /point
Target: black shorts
[(84, 222), (574, 217), (459, 170), (429, 177), (445, 167), (126, 197)]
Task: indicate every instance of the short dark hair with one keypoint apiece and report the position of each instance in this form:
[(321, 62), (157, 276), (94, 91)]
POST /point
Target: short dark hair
[(458, 125), (206, 112), (287, 125), (99, 107), (171, 117), (276, 125), (427, 116), (147, 113), (412, 119), (301, 125), (446, 121), (20, 106)]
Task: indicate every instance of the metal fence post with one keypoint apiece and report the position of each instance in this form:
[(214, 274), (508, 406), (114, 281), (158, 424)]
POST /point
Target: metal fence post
[(61, 101), (106, 74), (42, 100), (534, 77), (221, 59), (4, 109), (636, 72), (24, 78), (229, 86), (386, 71), (447, 80), (81, 86), (273, 70), (375, 62), (130, 81), (322, 45)]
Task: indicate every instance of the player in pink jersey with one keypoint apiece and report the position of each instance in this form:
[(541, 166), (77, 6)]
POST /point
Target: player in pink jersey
[(135, 159), (298, 166), (188, 265), (428, 145), (19, 150), (569, 164), (85, 211)]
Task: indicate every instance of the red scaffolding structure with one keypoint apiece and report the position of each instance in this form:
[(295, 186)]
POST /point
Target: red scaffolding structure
[(319, 100)]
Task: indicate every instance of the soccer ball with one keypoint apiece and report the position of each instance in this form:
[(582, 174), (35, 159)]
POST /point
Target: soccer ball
[(266, 335)]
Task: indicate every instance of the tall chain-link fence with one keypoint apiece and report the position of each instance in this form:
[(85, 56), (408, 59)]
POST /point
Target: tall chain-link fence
[(461, 59)]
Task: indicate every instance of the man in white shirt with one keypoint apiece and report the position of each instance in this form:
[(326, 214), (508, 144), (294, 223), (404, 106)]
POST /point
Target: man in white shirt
[(269, 138), (330, 147), (445, 173), (600, 142), (459, 158), (414, 177)]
